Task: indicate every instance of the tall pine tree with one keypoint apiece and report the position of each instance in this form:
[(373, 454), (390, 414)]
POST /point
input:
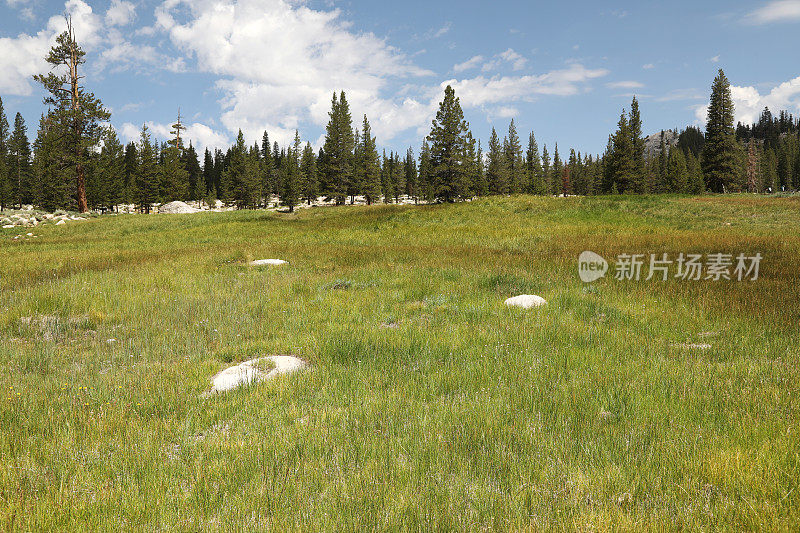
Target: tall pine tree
[(720, 151), (77, 113), (448, 138)]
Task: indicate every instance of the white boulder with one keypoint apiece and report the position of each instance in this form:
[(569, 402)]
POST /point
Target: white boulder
[(248, 372), (265, 262), (177, 208), (61, 221), (526, 301)]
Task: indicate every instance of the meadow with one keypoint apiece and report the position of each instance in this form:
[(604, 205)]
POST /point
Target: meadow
[(429, 404)]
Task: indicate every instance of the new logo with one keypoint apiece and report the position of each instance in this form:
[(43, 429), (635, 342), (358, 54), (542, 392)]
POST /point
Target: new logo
[(591, 266)]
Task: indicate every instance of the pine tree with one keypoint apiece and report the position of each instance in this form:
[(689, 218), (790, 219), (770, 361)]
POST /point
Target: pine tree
[(369, 165), (111, 172), (481, 185), (338, 148), (638, 176), (796, 177), (661, 185), (448, 148), (173, 177), (566, 183), (19, 167), (399, 178), (308, 171), (77, 113), (785, 162), (426, 173), (208, 176), (267, 170), (239, 176), (146, 177), (753, 174), (533, 167), (411, 177), (546, 171), (219, 169), (573, 175), (386, 179), (623, 169), (130, 165), (52, 190), (556, 179), (512, 149), (496, 166), (676, 173), (720, 148), (695, 184), (5, 179), (291, 178), (197, 185)]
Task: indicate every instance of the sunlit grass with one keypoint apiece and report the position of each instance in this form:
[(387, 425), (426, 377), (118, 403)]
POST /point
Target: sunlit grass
[(429, 405)]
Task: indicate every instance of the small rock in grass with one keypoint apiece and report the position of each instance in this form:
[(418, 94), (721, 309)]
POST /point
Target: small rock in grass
[(604, 415), (692, 346), (265, 262), (248, 372), (526, 301), (8, 226), (60, 222)]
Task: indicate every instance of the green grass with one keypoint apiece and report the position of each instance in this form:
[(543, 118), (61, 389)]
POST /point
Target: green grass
[(467, 415)]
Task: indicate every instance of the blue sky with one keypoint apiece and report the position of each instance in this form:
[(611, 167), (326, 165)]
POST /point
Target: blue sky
[(563, 70)]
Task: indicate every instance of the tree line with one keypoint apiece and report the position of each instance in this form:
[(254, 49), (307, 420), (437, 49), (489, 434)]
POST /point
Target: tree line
[(75, 162)]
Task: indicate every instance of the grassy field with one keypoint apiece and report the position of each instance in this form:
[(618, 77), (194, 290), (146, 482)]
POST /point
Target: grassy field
[(430, 405)]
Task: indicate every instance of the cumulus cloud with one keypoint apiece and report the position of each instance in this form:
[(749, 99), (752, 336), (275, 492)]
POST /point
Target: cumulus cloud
[(22, 57), (120, 13), (200, 135), (776, 11), (749, 102), (278, 62)]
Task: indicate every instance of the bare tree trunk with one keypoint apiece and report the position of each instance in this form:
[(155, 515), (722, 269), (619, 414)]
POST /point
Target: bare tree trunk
[(83, 206), (76, 126)]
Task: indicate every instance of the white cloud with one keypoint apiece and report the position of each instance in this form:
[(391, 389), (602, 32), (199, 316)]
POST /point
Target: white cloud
[(648, 66), (470, 63), (627, 84), (504, 112), (776, 11), (279, 62), (510, 57), (200, 135), (444, 30), (517, 61), (23, 56), (714, 59), (480, 91), (120, 13), (749, 102)]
